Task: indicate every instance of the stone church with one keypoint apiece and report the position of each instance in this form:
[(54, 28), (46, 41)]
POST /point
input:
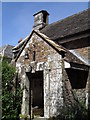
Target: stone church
[(52, 63)]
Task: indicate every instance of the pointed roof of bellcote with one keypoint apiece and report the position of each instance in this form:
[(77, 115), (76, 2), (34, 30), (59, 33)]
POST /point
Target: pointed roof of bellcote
[(41, 11)]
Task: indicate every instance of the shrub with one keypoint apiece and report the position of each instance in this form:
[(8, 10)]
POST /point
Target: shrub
[(11, 102)]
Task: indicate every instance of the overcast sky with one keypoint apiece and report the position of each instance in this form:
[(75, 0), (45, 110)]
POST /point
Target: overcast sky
[(18, 20)]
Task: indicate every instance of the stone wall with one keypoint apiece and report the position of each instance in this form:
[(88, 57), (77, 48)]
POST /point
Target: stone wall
[(88, 91), (48, 61), (57, 87), (67, 89), (56, 98)]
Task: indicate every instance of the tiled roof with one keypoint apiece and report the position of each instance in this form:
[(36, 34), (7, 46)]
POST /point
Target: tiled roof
[(68, 26), (83, 54)]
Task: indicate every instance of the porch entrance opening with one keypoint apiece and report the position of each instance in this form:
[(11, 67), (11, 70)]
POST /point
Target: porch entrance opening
[(36, 93)]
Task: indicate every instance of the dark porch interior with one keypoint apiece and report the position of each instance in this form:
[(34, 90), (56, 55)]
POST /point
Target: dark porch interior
[(36, 93), (78, 78)]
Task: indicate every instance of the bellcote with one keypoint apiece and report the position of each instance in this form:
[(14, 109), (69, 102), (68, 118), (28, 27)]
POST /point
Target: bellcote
[(40, 19)]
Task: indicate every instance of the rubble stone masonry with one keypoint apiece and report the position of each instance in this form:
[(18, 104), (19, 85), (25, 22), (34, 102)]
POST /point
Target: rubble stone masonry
[(48, 61)]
